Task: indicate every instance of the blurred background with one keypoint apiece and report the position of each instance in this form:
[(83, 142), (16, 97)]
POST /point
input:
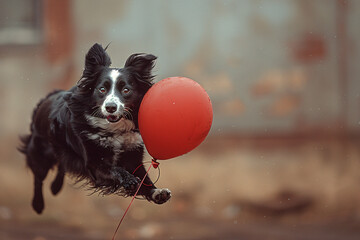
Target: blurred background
[(282, 158)]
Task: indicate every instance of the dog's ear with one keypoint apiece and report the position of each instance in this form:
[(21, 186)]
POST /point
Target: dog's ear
[(96, 59), (142, 64)]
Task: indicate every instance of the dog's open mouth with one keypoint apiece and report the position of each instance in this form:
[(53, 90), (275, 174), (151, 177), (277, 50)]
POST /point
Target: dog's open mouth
[(113, 118)]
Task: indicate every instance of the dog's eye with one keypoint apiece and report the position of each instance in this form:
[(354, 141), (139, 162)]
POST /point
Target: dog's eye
[(102, 90), (126, 90)]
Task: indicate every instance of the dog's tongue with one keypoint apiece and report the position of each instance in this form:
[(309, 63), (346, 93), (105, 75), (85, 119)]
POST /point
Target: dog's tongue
[(112, 118)]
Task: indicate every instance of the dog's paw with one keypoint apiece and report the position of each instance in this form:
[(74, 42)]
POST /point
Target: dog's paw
[(38, 204), (56, 185), (131, 184), (160, 196)]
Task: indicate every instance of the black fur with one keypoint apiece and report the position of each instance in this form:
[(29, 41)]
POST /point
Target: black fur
[(63, 132)]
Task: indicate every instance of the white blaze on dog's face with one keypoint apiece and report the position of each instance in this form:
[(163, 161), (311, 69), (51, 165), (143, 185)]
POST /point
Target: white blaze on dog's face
[(112, 107)]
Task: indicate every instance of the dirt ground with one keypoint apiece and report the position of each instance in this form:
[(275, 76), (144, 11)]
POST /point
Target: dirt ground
[(228, 188)]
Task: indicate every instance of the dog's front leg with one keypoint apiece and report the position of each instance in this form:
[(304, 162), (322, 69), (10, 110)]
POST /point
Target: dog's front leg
[(113, 179), (106, 177), (127, 180), (148, 189)]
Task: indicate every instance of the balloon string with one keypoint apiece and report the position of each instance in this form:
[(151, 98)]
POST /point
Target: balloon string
[(154, 164)]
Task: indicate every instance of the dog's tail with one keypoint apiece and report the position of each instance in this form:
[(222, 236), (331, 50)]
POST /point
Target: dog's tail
[(25, 140)]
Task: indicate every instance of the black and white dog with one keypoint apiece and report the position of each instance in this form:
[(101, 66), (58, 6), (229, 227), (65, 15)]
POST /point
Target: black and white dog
[(91, 130)]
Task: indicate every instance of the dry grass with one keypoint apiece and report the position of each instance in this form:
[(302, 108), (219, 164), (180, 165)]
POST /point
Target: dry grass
[(226, 189)]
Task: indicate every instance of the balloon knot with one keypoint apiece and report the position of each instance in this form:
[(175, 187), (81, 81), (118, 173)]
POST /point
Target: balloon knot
[(154, 163)]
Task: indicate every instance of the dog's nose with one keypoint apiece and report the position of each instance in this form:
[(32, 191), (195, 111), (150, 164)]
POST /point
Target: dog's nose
[(111, 107)]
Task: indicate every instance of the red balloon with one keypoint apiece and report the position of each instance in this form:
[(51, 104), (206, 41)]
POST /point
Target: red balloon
[(175, 116)]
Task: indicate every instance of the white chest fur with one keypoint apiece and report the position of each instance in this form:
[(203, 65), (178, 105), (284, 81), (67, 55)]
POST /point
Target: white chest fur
[(124, 125), (123, 138), (119, 141)]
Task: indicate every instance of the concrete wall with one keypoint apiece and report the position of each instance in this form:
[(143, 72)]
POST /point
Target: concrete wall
[(278, 67)]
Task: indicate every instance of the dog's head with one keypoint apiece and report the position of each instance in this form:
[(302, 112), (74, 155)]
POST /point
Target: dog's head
[(114, 93)]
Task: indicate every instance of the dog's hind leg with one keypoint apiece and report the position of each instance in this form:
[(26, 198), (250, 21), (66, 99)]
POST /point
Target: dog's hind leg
[(40, 173), (58, 181), (39, 165), (38, 199)]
